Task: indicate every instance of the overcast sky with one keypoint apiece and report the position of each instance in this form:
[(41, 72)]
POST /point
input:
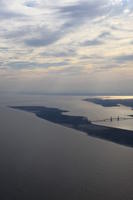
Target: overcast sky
[(66, 45)]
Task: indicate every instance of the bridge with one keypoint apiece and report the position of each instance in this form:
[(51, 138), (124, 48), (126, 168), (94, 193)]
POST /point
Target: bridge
[(111, 119)]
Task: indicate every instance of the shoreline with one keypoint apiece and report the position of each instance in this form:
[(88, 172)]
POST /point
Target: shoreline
[(111, 102), (79, 123)]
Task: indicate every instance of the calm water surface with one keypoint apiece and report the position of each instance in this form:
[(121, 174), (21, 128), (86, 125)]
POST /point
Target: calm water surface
[(41, 160), (76, 106)]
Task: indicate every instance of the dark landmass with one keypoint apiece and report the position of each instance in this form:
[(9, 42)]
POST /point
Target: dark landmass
[(55, 115), (130, 115), (111, 102), (119, 136)]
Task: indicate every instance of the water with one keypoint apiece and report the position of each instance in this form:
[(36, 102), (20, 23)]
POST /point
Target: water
[(76, 106), (41, 160)]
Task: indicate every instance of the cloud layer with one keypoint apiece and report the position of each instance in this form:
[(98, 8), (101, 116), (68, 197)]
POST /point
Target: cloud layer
[(40, 39)]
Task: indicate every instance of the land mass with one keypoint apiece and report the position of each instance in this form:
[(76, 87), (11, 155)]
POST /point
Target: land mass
[(111, 102), (130, 115), (55, 115)]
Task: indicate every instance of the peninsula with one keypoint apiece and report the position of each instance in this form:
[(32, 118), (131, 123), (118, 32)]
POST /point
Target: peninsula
[(55, 115), (111, 102)]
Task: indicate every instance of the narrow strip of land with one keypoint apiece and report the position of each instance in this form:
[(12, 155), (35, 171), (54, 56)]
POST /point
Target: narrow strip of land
[(111, 102), (55, 115)]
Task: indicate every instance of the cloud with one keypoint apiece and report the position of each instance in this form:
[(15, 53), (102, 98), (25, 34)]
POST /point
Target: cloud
[(82, 11), (124, 58), (99, 40), (32, 65), (94, 42), (44, 35), (34, 36), (60, 54), (31, 4), (46, 38), (7, 13)]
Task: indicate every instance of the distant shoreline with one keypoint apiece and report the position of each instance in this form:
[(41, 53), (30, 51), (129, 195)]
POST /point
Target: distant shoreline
[(55, 115), (74, 94), (111, 102)]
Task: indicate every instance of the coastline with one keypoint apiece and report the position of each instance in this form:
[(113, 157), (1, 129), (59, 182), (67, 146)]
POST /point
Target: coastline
[(111, 102), (79, 123)]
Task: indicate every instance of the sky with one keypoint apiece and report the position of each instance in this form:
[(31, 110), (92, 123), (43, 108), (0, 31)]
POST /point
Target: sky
[(69, 46)]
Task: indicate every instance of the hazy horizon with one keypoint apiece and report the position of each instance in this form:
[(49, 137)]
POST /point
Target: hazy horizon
[(62, 93)]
